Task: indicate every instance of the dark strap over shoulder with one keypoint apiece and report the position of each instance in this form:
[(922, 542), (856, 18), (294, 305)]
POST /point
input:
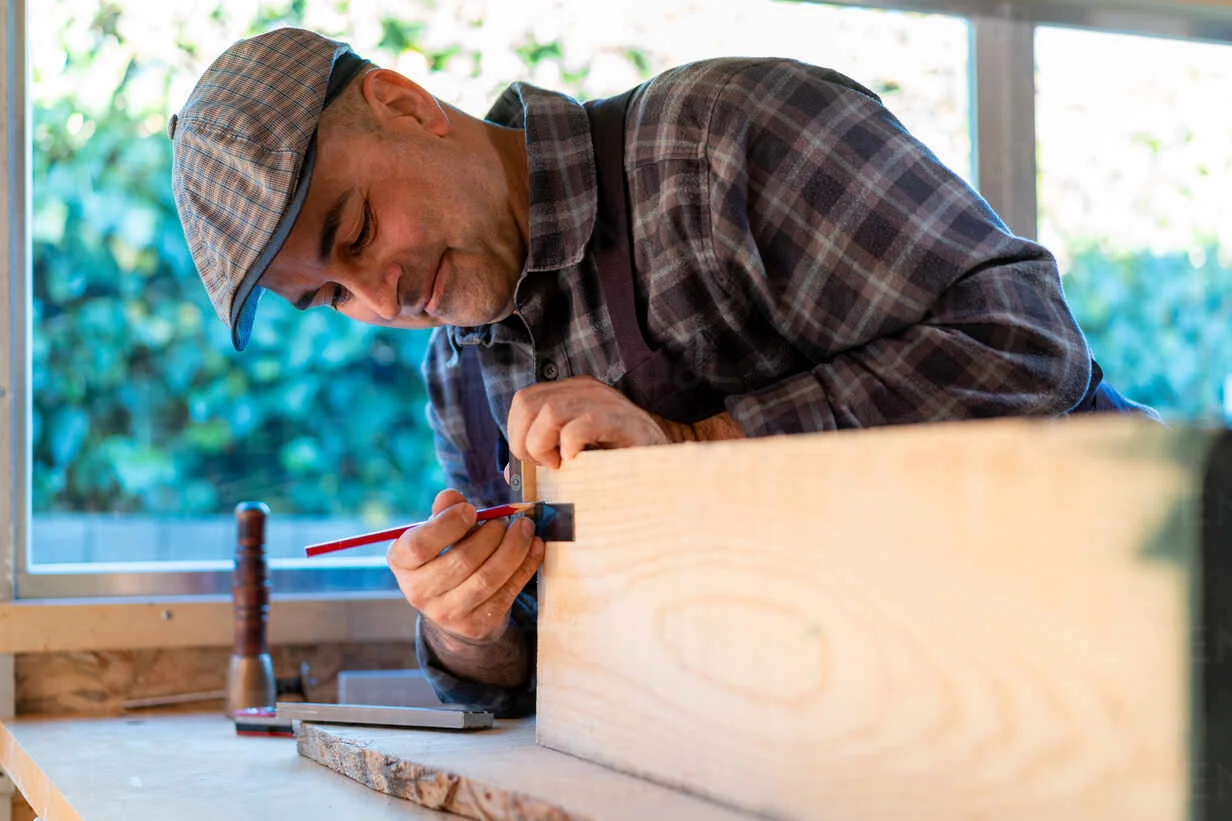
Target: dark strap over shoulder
[(653, 381), (613, 241), (486, 452)]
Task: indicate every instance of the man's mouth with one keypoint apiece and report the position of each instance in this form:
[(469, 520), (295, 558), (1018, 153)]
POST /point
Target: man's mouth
[(435, 289), (430, 297)]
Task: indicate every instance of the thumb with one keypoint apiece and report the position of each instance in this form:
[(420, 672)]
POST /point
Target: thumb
[(446, 499)]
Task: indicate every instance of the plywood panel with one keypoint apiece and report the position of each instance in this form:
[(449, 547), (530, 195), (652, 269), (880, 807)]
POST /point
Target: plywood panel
[(496, 775), (985, 620), (99, 683)]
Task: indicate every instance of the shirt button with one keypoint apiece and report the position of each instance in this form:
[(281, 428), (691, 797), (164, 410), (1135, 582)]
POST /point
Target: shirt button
[(549, 371)]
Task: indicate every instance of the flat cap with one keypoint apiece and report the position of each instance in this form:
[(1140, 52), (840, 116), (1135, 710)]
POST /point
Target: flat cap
[(243, 149)]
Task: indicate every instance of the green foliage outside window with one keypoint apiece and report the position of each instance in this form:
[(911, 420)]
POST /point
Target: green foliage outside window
[(140, 404), (1160, 326)]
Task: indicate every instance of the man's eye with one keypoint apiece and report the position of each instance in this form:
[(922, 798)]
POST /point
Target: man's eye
[(339, 297), (365, 231)]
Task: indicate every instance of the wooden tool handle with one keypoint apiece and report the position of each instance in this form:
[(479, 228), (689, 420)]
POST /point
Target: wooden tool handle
[(250, 579)]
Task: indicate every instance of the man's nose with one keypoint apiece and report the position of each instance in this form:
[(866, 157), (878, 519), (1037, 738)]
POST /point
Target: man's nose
[(379, 291)]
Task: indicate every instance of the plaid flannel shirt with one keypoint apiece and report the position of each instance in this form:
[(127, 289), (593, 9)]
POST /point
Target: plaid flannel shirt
[(794, 246)]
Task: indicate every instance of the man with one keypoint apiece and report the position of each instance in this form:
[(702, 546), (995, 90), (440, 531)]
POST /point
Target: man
[(737, 248)]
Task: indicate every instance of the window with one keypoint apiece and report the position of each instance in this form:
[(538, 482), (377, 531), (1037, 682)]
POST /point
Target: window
[(1135, 159), (145, 429)]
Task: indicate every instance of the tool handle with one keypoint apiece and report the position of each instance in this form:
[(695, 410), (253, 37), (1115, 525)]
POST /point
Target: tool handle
[(250, 588)]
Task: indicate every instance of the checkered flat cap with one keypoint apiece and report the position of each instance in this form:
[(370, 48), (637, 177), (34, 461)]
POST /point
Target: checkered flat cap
[(243, 148)]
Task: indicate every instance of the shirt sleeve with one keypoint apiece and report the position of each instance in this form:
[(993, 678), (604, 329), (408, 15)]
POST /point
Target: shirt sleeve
[(447, 388), (444, 379), (884, 268), (502, 702)]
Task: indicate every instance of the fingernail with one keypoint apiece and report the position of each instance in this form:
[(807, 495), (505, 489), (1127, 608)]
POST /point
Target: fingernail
[(469, 514), (526, 527)]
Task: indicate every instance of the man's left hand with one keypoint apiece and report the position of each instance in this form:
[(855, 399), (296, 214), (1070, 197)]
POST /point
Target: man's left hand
[(554, 421)]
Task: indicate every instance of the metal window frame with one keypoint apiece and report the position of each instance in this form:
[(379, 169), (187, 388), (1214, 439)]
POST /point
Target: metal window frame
[(12, 193), (17, 581), (14, 323), (1002, 77)]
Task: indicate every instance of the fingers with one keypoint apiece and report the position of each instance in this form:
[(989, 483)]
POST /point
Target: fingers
[(483, 601), (553, 421), (586, 431), (502, 600), (526, 411), (446, 498), (451, 569), (452, 518), (541, 439), (466, 591)]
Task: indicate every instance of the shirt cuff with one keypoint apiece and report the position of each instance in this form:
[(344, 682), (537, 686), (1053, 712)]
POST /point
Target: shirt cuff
[(794, 405), (502, 702)]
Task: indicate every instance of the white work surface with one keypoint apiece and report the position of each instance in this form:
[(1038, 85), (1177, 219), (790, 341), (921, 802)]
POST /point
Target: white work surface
[(187, 767)]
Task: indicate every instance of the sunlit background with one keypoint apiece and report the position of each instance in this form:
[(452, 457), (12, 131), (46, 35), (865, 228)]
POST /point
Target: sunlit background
[(147, 428)]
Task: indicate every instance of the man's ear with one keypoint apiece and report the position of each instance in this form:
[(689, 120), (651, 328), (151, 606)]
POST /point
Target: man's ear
[(396, 100)]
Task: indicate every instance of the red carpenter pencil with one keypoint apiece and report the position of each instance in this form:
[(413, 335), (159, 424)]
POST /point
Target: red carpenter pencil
[(392, 533)]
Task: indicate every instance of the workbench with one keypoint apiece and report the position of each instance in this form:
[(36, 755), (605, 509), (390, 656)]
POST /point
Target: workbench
[(192, 767), (189, 767)]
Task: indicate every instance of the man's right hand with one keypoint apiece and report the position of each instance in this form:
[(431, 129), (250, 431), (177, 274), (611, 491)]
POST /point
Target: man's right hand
[(467, 591)]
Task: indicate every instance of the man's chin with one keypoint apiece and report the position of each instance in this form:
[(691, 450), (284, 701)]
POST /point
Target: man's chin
[(475, 318), (418, 323)]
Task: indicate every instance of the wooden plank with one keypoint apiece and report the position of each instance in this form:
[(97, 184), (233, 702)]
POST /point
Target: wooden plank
[(187, 768), (99, 683), (51, 626), (978, 620), (8, 797), (35, 787), (496, 775), (20, 810)]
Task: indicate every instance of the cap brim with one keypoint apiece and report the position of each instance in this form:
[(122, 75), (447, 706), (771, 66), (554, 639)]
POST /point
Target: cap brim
[(248, 294)]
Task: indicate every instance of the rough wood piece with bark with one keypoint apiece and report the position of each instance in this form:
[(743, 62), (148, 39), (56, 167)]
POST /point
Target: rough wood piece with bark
[(496, 775), (979, 620)]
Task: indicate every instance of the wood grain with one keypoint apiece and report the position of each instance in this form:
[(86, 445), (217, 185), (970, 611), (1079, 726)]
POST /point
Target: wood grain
[(976, 621), (496, 775)]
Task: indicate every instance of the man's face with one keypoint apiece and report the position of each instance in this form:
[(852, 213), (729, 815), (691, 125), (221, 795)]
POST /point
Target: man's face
[(404, 224)]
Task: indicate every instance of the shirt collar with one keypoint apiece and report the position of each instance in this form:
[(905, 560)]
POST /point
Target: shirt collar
[(563, 185), (561, 165)]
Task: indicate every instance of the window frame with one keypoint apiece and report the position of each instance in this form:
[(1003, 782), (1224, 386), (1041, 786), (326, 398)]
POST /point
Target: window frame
[(14, 323), (1002, 139)]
